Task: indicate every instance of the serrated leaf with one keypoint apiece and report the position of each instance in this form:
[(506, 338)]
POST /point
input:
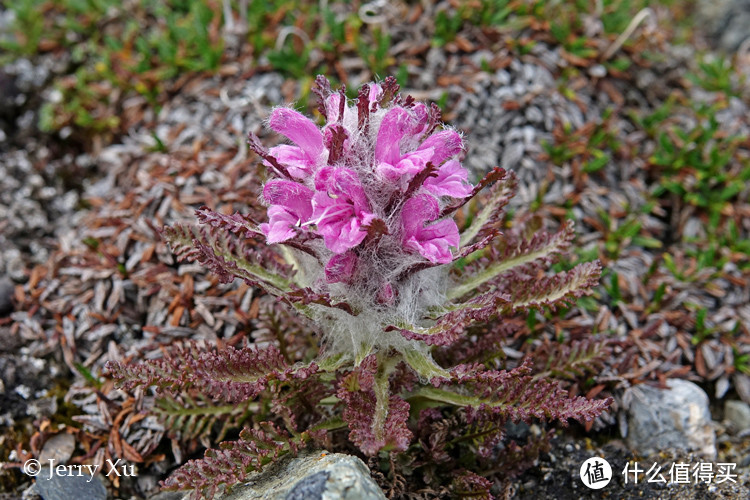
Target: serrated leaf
[(229, 374), (501, 193), (237, 223), (377, 420), (226, 258), (540, 246), (549, 291), (512, 394)]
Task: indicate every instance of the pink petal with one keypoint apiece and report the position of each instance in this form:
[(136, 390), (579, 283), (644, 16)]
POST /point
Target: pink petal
[(396, 123), (410, 164), (297, 162), (375, 92), (416, 211), (414, 162), (433, 242), (299, 129), (422, 116), (451, 180), (332, 108), (293, 196), (445, 144), (342, 182), (340, 268), (386, 295), (281, 225)]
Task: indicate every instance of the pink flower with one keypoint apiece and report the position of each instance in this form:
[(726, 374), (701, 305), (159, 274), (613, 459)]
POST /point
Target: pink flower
[(302, 159), (395, 125), (399, 123), (451, 180), (443, 144), (322, 193), (433, 241), (340, 268), (340, 208), (290, 208)]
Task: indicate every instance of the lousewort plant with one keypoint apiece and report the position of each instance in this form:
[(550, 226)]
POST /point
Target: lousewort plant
[(360, 240)]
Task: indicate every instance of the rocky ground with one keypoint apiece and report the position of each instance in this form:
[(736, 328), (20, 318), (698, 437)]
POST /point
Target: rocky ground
[(80, 250)]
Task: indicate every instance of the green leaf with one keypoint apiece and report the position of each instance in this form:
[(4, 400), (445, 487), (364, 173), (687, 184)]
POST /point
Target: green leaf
[(423, 364)]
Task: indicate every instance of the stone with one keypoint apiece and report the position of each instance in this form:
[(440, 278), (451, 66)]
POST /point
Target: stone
[(65, 487), (168, 495), (59, 448), (726, 21), (677, 417), (6, 294), (310, 488), (738, 414), (316, 476)]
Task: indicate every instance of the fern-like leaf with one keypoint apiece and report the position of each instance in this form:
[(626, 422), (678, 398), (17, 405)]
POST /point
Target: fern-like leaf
[(234, 461), (553, 291), (237, 223), (232, 375), (515, 251), (190, 418), (481, 344), (518, 294), (306, 296), (466, 484), (374, 427), (501, 193), (229, 257), (515, 395), (451, 325), (570, 361)]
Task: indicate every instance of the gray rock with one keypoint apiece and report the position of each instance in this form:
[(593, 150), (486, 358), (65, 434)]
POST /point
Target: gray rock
[(316, 476), (59, 448), (168, 495), (6, 293), (66, 487), (738, 414), (678, 417), (310, 488), (727, 21)]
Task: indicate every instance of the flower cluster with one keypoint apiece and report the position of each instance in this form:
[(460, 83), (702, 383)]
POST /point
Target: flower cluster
[(379, 167)]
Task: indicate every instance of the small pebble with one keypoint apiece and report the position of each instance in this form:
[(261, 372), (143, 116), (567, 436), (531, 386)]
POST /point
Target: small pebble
[(59, 448), (738, 414), (6, 294), (598, 71)]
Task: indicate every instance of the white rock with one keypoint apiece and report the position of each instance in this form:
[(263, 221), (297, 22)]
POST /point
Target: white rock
[(678, 417)]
